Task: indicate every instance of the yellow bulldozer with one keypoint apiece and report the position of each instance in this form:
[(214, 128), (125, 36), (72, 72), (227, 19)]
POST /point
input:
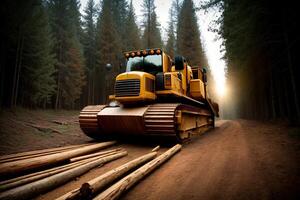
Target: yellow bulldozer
[(156, 96)]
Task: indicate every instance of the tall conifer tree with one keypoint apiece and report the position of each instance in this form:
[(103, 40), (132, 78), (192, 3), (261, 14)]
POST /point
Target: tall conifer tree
[(188, 35), (171, 41), (37, 82), (151, 35), (109, 50), (133, 40), (89, 44), (119, 9), (65, 21)]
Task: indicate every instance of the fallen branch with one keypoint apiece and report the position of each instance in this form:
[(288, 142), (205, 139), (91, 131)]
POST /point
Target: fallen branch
[(35, 188), (60, 122), (124, 184), (43, 128), (95, 185)]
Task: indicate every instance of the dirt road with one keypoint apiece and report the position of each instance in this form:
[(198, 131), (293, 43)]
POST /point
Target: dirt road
[(238, 160)]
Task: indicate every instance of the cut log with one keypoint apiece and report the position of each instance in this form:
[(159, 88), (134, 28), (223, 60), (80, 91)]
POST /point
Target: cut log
[(52, 169), (12, 183), (124, 184), (33, 163), (156, 148), (40, 172), (103, 155), (33, 156), (95, 185), (38, 187), (16, 155), (95, 154)]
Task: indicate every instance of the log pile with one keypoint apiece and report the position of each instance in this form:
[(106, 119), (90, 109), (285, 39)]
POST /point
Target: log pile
[(42, 170), (113, 184), (25, 175)]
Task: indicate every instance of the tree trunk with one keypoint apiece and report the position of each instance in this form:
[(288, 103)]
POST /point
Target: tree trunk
[(19, 178), (272, 98), (89, 83), (292, 78), (33, 163), (3, 57), (101, 153), (57, 92), (93, 88), (30, 154), (15, 182), (57, 100), (33, 189), (290, 68), (280, 95), (124, 184), (95, 185), (13, 91), (19, 71), (287, 99)]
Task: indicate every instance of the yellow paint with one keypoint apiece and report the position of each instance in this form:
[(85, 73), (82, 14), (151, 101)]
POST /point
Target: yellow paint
[(197, 89), (175, 82), (186, 85), (144, 95), (167, 62)]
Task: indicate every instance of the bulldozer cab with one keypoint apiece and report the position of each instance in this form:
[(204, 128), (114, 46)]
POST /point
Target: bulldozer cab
[(149, 61)]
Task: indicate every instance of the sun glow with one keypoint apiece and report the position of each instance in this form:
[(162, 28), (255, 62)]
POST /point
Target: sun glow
[(212, 50), (211, 45)]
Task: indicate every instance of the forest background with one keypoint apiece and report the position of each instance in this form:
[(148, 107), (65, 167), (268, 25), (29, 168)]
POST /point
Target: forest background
[(54, 57)]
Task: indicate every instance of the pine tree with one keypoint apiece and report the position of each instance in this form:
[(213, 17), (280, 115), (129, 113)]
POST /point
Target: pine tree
[(151, 35), (171, 41), (119, 11), (74, 78), (75, 18), (65, 23), (37, 82), (261, 42), (109, 50), (89, 44), (188, 35), (26, 61), (133, 40)]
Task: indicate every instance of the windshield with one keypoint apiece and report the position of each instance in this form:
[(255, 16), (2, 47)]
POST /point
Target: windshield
[(151, 64)]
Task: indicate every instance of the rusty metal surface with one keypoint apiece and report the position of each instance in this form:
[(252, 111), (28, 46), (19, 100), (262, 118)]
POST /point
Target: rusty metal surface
[(119, 120), (159, 119), (88, 119)]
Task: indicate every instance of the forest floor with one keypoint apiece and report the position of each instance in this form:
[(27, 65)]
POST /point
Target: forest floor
[(25, 130), (239, 159)]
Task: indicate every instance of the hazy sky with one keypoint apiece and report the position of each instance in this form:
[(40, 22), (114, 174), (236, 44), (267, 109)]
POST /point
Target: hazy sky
[(212, 47)]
